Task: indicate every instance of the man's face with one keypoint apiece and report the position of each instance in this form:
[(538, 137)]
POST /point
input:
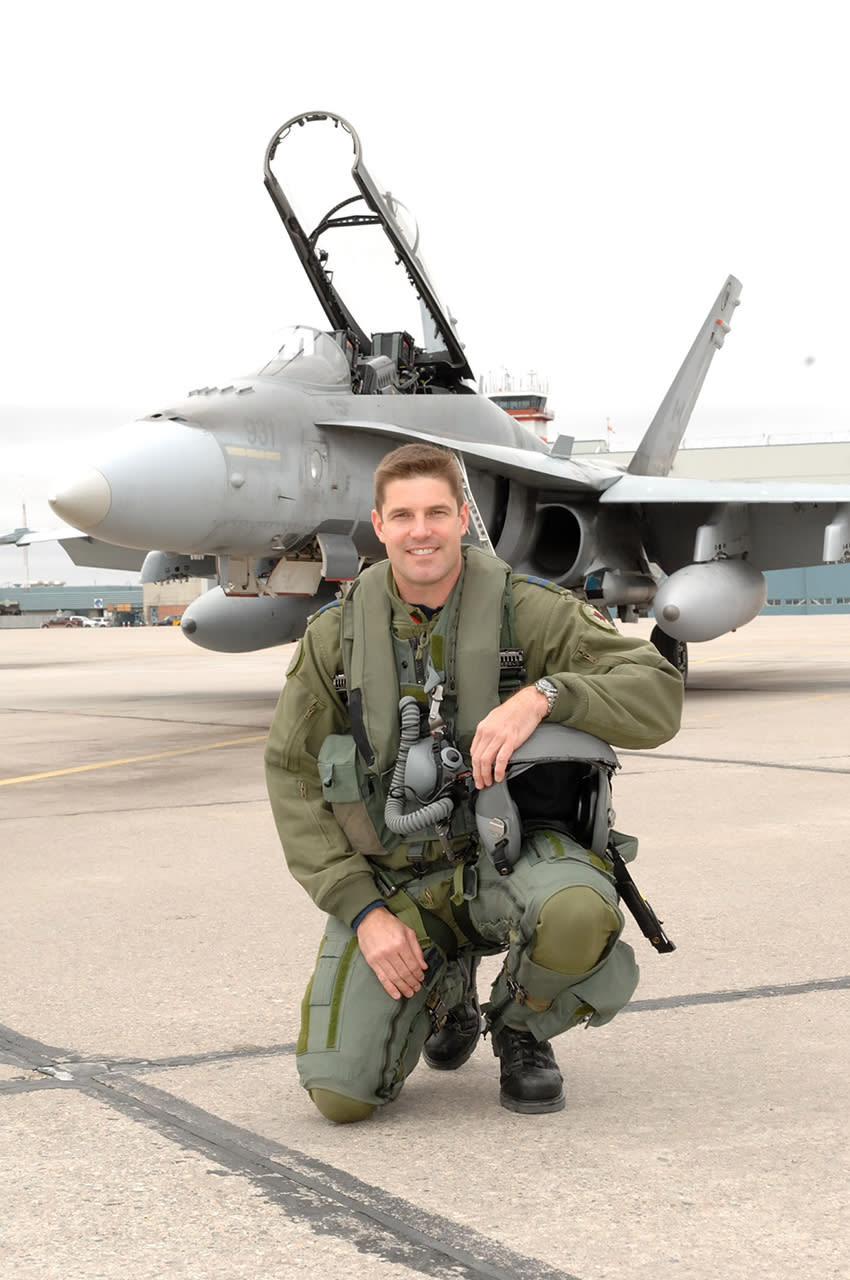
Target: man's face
[(421, 528)]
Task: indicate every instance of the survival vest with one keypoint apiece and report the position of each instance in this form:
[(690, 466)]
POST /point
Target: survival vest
[(471, 641)]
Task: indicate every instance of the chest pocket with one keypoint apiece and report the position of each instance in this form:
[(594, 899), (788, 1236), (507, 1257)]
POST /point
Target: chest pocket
[(354, 797)]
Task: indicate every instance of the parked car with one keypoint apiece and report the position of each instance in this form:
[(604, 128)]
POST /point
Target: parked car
[(173, 620), (59, 621), (79, 620)]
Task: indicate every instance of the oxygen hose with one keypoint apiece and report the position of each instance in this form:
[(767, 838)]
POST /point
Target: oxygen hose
[(405, 824)]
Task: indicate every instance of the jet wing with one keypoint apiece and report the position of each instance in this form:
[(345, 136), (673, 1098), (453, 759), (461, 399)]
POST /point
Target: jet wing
[(88, 552), (538, 470), (771, 525), (775, 525), (634, 489)]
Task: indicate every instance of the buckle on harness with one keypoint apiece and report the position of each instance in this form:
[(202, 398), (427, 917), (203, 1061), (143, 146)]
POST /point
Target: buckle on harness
[(499, 856), (517, 992), (438, 1010), (416, 858), (385, 886)]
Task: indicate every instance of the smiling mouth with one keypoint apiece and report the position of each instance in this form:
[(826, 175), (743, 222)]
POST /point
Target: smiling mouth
[(421, 551)]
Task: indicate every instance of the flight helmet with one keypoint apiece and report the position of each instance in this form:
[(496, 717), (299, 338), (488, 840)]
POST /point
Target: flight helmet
[(559, 778)]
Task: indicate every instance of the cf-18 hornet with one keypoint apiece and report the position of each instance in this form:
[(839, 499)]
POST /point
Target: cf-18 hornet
[(265, 484)]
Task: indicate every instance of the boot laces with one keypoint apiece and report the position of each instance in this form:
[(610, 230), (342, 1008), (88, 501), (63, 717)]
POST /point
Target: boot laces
[(518, 1050)]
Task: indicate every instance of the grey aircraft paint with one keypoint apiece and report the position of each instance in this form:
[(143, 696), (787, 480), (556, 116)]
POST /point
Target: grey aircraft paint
[(266, 483)]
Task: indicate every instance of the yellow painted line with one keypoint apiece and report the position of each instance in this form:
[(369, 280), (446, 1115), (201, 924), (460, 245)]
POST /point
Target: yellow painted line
[(267, 455), (111, 764)]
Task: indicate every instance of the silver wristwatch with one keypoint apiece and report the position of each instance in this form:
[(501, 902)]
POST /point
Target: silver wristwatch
[(549, 691)]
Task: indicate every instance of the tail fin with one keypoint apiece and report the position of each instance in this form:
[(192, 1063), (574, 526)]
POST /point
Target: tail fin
[(657, 450)]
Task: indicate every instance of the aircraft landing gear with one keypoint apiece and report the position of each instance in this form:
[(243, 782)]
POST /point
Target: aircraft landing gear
[(675, 651)]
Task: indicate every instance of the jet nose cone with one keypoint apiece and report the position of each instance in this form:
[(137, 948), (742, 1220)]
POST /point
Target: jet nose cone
[(155, 484), (84, 502)]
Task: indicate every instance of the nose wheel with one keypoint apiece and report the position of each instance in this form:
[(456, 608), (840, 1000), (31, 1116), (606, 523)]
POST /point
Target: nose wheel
[(675, 651)]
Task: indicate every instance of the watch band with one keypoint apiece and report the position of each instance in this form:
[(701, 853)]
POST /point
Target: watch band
[(550, 693)]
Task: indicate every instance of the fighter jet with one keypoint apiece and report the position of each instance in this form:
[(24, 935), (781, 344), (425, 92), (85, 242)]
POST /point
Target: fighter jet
[(14, 536), (265, 484)]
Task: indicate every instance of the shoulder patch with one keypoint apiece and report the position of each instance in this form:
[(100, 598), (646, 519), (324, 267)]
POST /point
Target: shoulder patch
[(597, 619)]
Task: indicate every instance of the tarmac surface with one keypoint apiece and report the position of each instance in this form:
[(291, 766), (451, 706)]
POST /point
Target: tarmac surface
[(154, 950)]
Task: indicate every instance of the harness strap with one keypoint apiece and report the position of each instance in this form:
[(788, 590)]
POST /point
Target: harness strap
[(425, 924), (512, 676), (460, 911)]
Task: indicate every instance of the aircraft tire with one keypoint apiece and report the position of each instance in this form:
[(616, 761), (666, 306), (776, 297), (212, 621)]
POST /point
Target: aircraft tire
[(675, 651)]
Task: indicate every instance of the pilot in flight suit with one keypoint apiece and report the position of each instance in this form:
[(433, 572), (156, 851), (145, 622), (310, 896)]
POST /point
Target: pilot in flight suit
[(408, 915)]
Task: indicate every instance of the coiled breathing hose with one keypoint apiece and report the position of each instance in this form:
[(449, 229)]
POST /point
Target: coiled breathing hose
[(405, 824)]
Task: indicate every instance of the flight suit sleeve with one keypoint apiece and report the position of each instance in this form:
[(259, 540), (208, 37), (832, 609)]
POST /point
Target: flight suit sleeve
[(338, 879), (617, 687)]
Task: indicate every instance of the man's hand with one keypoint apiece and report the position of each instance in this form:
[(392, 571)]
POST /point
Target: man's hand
[(501, 731), (392, 951)]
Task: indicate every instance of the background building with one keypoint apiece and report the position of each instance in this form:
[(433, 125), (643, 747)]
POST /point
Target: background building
[(122, 605)]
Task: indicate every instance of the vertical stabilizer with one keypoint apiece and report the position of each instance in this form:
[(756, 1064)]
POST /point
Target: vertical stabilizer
[(657, 450)]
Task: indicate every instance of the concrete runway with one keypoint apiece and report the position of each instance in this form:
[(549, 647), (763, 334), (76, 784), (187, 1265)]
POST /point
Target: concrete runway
[(154, 951)]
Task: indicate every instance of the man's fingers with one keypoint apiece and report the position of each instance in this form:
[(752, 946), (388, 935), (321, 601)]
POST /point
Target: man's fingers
[(398, 980), (499, 734), (500, 764), (490, 761), (393, 953), (397, 987)]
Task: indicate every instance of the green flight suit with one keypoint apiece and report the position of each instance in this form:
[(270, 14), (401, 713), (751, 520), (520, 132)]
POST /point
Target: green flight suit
[(357, 1041)]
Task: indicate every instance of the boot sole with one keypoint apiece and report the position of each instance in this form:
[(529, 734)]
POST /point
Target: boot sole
[(531, 1106), (452, 1064)]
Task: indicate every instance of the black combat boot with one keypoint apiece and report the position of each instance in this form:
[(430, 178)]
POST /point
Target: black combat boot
[(530, 1080), (451, 1046)]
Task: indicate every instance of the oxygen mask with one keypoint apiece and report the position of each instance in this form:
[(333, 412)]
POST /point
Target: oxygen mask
[(431, 768), (426, 772)]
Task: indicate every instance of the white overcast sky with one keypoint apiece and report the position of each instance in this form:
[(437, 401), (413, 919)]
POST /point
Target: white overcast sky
[(584, 175)]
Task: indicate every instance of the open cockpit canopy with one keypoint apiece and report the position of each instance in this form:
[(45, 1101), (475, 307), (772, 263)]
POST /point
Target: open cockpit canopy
[(356, 240)]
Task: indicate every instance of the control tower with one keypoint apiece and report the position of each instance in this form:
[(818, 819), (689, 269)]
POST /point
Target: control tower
[(523, 398)]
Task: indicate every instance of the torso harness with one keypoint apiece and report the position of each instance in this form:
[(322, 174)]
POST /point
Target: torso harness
[(412, 729), (400, 784)]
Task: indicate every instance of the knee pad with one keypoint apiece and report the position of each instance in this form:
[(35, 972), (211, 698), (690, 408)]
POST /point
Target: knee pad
[(339, 1108), (575, 926)]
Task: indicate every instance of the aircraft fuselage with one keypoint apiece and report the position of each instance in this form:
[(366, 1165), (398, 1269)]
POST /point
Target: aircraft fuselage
[(250, 469)]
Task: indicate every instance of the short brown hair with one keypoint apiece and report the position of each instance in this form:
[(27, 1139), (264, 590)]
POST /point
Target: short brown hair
[(418, 460)]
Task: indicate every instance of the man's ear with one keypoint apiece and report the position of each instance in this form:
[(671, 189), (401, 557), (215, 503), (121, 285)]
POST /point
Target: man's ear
[(378, 525)]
